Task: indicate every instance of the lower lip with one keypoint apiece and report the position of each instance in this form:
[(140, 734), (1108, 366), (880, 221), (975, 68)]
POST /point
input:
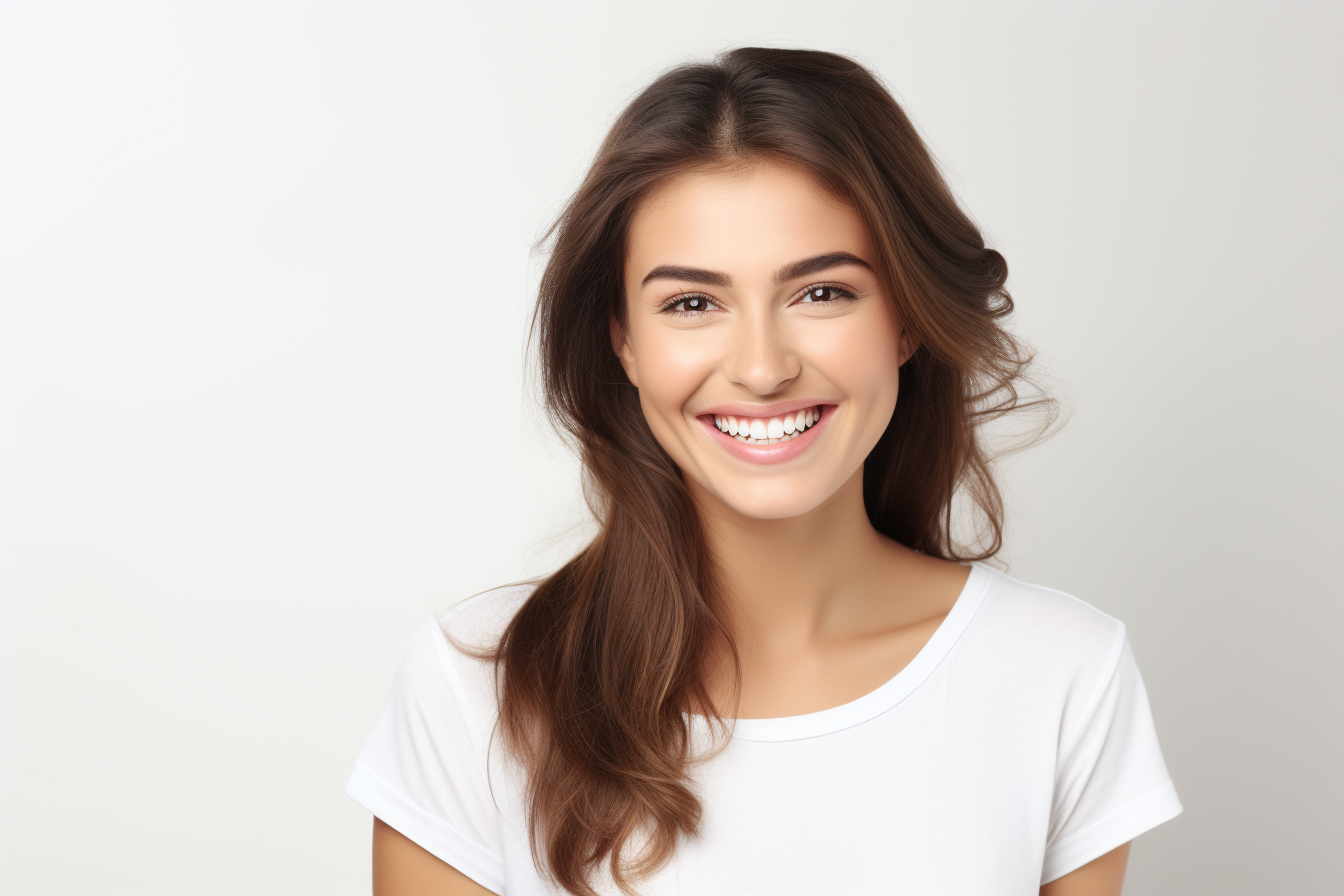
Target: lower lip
[(777, 453)]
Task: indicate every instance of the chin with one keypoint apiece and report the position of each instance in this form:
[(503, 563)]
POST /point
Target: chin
[(775, 503)]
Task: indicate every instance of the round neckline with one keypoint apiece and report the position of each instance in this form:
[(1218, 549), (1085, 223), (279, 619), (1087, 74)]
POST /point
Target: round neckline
[(887, 695)]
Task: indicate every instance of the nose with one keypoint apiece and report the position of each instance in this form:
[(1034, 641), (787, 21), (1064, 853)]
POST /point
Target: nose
[(760, 357)]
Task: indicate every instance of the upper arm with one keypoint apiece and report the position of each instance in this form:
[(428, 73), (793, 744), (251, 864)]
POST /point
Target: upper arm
[(1103, 876), (1111, 783), (424, 773), (401, 867)]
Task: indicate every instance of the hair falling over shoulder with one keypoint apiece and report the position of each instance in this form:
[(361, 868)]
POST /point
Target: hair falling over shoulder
[(600, 669)]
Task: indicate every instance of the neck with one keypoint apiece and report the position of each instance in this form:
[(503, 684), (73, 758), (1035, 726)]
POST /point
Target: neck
[(799, 579)]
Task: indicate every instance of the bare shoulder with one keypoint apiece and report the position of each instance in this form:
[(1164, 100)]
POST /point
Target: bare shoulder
[(948, 576), (931, 583)]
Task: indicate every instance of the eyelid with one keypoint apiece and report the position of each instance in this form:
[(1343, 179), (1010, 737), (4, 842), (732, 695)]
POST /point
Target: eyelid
[(847, 293), (683, 296)]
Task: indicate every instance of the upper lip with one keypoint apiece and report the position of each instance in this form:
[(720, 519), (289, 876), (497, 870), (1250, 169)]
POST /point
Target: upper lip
[(763, 410)]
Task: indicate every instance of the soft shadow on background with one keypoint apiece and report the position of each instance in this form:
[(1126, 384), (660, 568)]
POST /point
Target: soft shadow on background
[(266, 278)]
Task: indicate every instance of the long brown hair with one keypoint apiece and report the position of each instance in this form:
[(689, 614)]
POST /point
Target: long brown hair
[(600, 669)]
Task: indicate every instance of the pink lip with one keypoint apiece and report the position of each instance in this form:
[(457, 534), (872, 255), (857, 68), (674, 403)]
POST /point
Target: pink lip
[(778, 409), (767, 454)]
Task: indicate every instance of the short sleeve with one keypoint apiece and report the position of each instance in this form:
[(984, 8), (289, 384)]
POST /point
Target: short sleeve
[(1111, 782), (423, 769)]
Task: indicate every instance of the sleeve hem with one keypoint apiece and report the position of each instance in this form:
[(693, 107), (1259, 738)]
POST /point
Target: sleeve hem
[(1104, 835), (434, 834)]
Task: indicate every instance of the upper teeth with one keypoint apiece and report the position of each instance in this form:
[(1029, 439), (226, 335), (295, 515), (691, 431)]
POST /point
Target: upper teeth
[(768, 430)]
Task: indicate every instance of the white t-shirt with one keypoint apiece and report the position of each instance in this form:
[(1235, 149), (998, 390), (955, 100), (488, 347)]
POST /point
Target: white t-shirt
[(1017, 746)]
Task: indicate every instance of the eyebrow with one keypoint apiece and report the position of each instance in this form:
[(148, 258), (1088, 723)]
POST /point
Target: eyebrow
[(791, 271)]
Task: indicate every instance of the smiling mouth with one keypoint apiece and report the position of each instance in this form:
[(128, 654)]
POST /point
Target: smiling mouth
[(768, 430)]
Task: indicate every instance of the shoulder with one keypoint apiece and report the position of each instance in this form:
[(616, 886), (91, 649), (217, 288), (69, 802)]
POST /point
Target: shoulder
[(479, 620), (1047, 618), (448, 655), (431, 767), (1046, 636)]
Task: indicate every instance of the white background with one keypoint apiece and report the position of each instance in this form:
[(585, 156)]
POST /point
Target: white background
[(267, 272)]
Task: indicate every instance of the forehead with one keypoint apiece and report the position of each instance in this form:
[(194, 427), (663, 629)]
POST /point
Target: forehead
[(745, 221)]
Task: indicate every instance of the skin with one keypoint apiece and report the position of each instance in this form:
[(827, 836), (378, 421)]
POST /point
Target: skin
[(401, 867), (822, 607)]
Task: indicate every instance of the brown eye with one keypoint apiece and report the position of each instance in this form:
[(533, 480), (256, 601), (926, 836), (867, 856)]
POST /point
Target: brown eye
[(826, 294), (689, 305), (694, 303)]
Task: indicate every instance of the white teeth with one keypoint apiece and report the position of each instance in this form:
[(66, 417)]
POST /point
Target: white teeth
[(767, 431)]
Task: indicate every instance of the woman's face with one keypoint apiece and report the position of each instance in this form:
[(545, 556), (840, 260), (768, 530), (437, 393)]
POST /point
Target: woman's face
[(765, 351)]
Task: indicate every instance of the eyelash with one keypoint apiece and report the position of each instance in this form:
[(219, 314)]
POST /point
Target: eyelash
[(844, 295)]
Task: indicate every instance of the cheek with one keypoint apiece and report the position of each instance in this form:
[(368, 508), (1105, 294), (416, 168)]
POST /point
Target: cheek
[(862, 359), (671, 367)]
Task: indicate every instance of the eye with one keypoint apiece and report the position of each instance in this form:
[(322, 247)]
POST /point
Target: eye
[(690, 305), (821, 294)]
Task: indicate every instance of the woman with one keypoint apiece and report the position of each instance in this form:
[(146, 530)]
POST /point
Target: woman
[(773, 336)]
